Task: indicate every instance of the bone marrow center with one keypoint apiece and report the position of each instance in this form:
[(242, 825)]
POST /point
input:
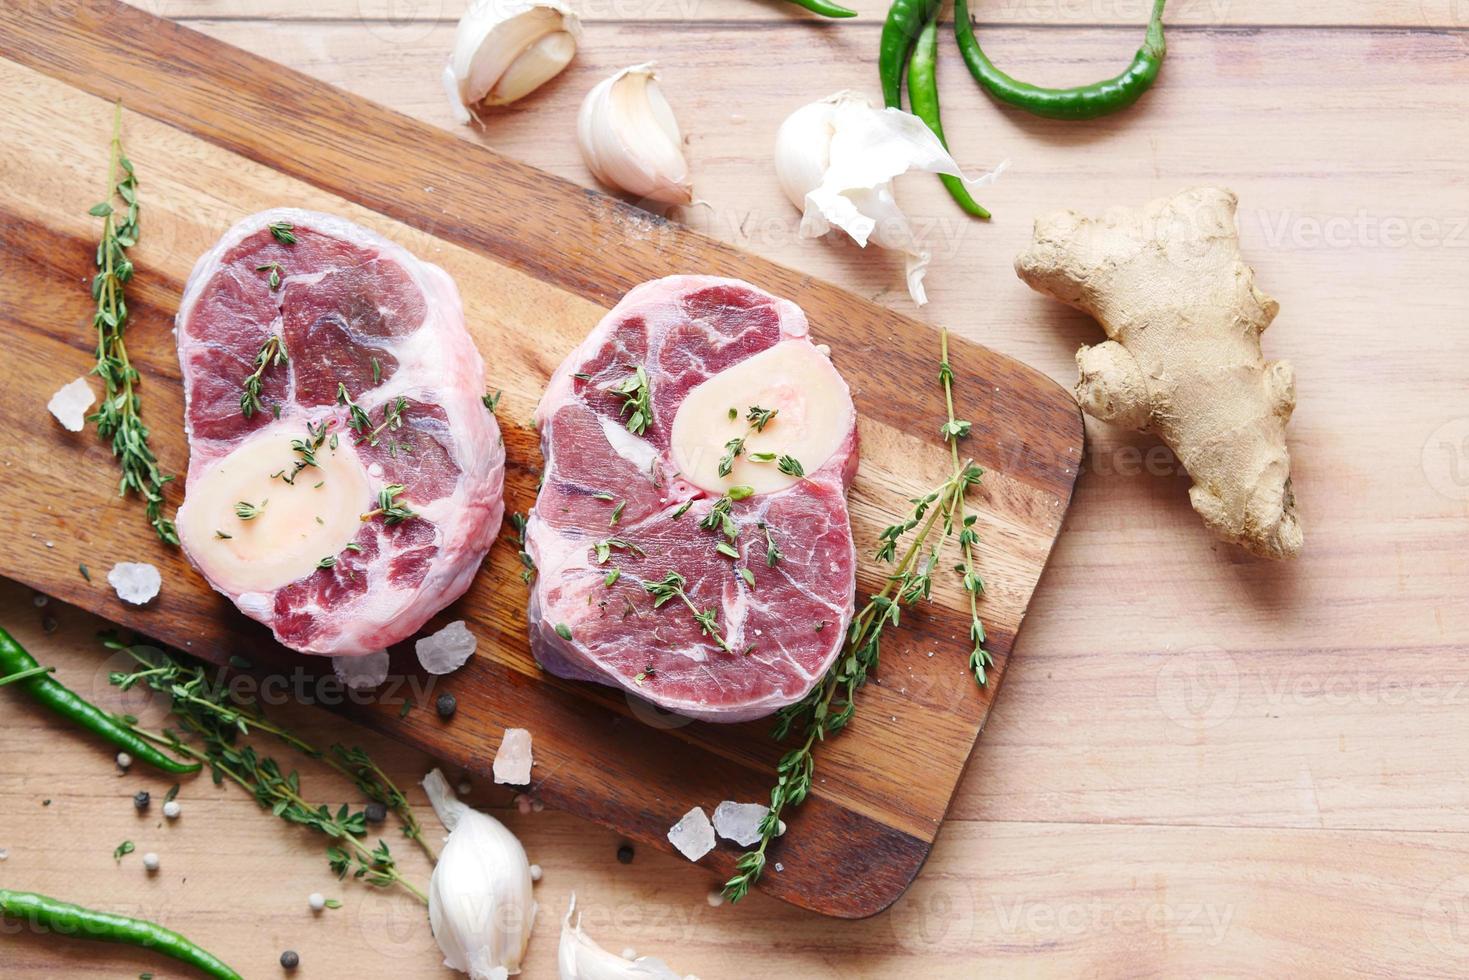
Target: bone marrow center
[(813, 416), (296, 524)]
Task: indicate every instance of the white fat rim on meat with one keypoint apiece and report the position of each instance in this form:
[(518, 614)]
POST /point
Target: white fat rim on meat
[(555, 551), (468, 520)]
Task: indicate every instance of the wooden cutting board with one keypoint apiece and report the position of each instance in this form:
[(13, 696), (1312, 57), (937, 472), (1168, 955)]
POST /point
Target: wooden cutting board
[(215, 134)]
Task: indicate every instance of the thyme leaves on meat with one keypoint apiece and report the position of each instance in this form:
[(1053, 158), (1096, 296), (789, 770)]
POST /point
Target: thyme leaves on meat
[(758, 418), (603, 549), (829, 707), (119, 417), (283, 232), (790, 466), (637, 399), (773, 553), (274, 270), (389, 508), (305, 450), (272, 353), (247, 511), (671, 586)]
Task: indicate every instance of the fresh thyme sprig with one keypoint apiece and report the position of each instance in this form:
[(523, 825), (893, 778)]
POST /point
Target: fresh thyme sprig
[(671, 586), (953, 430), (603, 549), (758, 418), (274, 278), (637, 399), (272, 353), (118, 417), (218, 720), (387, 505), (305, 450), (829, 706), (527, 564)]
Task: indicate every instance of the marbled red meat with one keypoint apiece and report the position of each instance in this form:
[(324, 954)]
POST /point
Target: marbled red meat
[(359, 314), (786, 629)]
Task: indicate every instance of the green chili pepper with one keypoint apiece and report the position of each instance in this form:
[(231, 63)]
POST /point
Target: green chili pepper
[(1083, 102), (66, 919), (923, 94), (825, 8), (899, 33), (52, 694)]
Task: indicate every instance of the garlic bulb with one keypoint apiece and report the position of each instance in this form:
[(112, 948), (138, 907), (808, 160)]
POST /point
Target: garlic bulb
[(630, 140), (836, 160), (579, 957), (506, 49), (479, 898)]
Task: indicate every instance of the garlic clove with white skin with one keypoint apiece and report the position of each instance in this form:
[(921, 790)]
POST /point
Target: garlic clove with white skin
[(580, 957), (480, 902), (630, 139), (506, 49), (836, 160)]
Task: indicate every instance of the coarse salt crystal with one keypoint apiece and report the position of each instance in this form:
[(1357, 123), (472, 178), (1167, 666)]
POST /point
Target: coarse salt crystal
[(446, 651), (70, 404), (135, 582), (513, 758), (362, 672), (693, 835), (739, 822)]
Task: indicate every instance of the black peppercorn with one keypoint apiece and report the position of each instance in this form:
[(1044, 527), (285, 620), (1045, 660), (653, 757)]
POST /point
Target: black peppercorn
[(290, 959), (446, 705), (375, 812), (624, 854), (141, 799)]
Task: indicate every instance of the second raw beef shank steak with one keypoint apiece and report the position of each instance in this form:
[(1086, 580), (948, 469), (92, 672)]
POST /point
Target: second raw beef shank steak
[(344, 475), (691, 536)]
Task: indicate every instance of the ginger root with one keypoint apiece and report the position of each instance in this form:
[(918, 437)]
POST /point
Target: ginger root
[(1183, 319)]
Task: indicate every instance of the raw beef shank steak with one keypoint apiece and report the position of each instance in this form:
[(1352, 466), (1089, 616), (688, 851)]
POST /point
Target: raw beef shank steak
[(344, 476), (691, 535)]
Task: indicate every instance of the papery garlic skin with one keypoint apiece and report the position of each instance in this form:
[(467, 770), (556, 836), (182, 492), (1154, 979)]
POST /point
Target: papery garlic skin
[(506, 49), (836, 160), (580, 957), (630, 139), (480, 901)]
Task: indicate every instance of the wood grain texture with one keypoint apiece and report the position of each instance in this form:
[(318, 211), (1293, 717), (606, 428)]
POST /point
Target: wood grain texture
[(221, 134), (1184, 733)]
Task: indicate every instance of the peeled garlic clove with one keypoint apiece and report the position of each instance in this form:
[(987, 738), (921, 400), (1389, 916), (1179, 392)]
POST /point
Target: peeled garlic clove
[(580, 957), (836, 160), (480, 902), (630, 140), (506, 49)]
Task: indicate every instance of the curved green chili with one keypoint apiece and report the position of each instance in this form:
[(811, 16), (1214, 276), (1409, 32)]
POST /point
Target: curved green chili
[(1083, 102), (14, 661), (66, 919), (899, 33), (923, 94), (824, 8)]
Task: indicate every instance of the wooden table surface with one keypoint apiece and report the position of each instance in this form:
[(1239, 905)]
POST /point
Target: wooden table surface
[(1201, 763)]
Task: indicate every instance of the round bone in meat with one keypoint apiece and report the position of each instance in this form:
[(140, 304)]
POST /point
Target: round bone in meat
[(620, 510), (377, 402)]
